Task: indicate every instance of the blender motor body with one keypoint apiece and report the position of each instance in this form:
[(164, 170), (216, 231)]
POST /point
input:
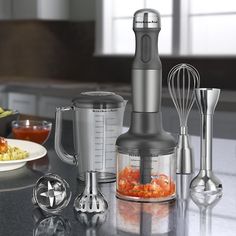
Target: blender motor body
[(146, 153)]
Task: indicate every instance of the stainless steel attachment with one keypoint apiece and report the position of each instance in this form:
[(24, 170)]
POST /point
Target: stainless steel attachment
[(182, 80), (91, 200), (51, 193), (206, 181)]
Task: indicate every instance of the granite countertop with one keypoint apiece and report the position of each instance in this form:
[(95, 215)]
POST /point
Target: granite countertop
[(180, 217)]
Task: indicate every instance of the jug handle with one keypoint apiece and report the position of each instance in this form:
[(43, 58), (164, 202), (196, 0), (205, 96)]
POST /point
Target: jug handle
[(62, 154)]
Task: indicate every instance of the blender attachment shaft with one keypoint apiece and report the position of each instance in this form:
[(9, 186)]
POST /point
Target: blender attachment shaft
[(182, 80), (206, 181)]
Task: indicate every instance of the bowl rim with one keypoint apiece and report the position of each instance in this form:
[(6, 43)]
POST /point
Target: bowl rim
[(31, 123)]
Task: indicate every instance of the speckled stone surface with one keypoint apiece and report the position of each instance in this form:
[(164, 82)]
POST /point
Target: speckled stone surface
[(183, 217)]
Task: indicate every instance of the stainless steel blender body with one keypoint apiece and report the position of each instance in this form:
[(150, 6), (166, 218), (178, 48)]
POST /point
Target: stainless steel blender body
[(146, 153), (98, 119)]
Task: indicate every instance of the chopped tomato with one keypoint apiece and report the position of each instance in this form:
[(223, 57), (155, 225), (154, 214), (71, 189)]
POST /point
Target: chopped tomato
[(3, 145), (129, 184)]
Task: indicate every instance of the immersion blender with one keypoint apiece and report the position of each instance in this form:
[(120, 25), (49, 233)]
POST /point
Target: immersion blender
[(146, 153)]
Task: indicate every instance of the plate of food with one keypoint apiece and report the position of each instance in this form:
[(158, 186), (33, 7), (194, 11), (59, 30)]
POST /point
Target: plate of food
[(15, 153)]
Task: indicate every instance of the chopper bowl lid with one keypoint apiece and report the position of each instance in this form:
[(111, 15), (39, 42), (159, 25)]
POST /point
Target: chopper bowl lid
[(98, 100)]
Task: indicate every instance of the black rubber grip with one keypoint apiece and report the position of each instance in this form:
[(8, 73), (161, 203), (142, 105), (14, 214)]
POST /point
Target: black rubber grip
[(146, 52)]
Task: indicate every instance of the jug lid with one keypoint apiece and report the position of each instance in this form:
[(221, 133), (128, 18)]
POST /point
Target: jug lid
[(98, 100)]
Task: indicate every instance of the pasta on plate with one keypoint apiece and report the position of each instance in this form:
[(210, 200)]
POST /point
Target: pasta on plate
[(8, 153)]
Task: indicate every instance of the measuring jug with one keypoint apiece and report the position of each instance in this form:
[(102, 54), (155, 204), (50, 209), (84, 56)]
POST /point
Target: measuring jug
[(97, 122)]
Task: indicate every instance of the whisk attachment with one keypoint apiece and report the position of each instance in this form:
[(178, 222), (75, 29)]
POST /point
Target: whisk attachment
[(91, 200), (183, 79)]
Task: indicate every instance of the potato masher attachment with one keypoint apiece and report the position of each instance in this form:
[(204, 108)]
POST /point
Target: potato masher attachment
[(91, 200), (182, 80)]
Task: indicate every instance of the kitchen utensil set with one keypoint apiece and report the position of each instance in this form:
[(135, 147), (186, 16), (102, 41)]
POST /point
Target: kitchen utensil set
[(144, 158)]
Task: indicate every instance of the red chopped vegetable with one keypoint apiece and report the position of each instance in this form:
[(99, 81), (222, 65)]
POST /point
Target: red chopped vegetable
[(129, 184)]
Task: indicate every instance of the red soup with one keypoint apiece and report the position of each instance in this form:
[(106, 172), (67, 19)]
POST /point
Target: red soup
[(38, 135)]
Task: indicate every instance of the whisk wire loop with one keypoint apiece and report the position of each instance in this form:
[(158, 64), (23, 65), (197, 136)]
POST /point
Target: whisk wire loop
[(182, 80)]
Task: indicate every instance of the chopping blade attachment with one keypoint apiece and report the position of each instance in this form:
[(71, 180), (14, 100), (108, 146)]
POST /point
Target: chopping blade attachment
[(51, 193)]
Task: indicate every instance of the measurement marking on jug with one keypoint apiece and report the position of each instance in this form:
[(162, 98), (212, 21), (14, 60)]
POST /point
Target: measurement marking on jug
[(111, 130), (106, 133)]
